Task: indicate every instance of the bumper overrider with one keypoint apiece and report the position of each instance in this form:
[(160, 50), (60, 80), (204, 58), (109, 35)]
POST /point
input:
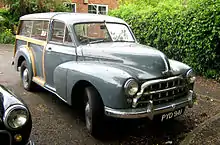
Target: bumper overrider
[(150, 111)]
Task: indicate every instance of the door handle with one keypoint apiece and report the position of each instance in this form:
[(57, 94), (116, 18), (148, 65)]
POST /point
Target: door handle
[(49, 49)]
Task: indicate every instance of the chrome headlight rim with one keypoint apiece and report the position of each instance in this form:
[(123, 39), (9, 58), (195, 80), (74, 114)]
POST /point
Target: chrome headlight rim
[(9, 111), (127, 85), (191, 77)]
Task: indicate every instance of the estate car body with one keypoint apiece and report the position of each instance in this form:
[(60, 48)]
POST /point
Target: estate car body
[(96, 60), (15, 119)]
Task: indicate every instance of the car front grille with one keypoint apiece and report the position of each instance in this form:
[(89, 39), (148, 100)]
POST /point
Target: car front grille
[(163, 91)]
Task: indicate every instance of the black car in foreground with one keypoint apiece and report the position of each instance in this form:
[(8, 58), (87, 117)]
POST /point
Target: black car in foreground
[(15, 119)]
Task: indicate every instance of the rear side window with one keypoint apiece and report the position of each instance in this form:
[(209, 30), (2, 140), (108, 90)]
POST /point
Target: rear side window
[(25, 28), (40, 30), (58, 32)]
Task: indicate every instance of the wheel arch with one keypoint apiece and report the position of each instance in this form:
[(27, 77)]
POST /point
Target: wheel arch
[(21, 55), (78, 90), (20, 60)]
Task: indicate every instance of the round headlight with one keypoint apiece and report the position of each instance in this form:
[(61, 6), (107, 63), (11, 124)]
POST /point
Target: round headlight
[(15, 116), (131, 87), (190, 76)]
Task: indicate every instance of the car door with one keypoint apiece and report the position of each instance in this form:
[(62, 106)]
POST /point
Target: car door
[(60, 49)]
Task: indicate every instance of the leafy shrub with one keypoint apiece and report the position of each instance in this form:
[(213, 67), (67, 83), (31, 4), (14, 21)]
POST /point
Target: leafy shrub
[(7, 37), (188, 32)]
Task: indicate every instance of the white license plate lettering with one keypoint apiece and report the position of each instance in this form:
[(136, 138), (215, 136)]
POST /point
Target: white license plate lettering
[(171, 114), (177, 112)]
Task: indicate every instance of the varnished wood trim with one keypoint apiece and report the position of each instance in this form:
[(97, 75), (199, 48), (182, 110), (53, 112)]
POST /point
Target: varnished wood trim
[(31, 40), (39, 81), (32, 59)]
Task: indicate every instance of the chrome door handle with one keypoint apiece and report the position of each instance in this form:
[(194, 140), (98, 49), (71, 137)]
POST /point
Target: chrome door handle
[(49, 49)]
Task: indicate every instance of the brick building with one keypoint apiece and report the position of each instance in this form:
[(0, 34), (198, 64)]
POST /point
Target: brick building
[(92, 6), (89, 6)]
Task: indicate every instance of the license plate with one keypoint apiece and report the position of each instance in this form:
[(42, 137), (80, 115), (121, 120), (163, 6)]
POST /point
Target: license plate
[(170, 115)]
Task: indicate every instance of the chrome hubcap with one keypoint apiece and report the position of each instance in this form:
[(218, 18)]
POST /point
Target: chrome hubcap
[(25, 78), (88, 116)]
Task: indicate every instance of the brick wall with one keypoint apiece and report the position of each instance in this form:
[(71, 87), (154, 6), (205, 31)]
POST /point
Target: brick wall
[(83, 8), (1, 5)]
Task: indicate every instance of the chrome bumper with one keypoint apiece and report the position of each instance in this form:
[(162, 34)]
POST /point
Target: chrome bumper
[(150, 111)]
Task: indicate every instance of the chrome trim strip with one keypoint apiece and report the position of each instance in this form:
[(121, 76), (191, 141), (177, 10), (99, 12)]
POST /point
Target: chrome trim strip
[(150, 111), (30, 143), (9, 110), (55, 93)]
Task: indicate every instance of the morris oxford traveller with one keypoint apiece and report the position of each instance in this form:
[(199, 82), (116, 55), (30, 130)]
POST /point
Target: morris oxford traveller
[(94, 61)]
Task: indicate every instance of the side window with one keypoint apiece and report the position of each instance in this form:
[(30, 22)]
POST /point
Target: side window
[(68, 39), (40, 29), (25, 28), (58, 32)]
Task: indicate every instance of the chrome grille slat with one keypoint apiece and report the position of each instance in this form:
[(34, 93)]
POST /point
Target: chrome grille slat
[(171, 97), (162, 90)]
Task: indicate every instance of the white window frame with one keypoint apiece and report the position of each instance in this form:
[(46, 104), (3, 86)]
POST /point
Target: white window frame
[(68, 3), (98, 5)]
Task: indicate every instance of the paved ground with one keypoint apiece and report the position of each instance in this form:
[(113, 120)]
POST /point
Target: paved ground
[(55, 123)]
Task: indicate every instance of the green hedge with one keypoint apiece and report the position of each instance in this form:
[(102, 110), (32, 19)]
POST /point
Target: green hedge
[(188, 32)]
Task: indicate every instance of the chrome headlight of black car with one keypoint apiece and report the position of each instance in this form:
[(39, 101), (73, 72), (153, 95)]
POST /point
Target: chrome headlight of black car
[(190, 75), (16, 116), (131, 87)]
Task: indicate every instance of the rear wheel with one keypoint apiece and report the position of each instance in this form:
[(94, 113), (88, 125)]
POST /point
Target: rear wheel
[(94, 112), (26, 76)]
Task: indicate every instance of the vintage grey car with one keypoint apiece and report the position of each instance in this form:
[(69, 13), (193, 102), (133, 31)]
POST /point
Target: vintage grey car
[(94, 61)]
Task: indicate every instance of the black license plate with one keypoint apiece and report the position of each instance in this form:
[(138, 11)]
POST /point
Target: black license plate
[(173, 114), (5, 138)]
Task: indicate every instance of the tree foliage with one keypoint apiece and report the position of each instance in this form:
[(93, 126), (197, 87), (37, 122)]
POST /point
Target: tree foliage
[(187, 31), (19, 8)]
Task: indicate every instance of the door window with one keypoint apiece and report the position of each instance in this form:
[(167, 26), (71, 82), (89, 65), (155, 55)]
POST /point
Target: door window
[(68, 39), (58, 32)]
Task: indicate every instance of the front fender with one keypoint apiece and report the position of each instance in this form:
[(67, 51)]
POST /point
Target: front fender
[(107, 80), (22, 51), (178, 67)]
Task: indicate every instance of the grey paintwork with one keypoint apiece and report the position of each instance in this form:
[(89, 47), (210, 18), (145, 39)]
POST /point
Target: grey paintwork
[(105, 65)]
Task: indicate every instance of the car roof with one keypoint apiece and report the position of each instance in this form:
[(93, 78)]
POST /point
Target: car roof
[(71, 18)]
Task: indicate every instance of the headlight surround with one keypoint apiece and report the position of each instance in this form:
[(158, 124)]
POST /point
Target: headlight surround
[(191, 77), (131, 87), (16, 116)]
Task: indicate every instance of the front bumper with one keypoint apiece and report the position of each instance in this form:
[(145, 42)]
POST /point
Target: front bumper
[(151, 110)]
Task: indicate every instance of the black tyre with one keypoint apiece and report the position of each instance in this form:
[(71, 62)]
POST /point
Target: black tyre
[(94, 112), (26, 76)]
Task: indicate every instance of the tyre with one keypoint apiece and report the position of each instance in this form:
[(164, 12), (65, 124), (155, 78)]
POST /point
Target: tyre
[(94, 112), (26, 77)]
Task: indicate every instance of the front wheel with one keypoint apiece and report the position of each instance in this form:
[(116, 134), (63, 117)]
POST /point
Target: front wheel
[(26, 76), (94, 112)]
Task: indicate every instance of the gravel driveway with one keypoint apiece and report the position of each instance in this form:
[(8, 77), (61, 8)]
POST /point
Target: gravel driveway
[(56, 123)]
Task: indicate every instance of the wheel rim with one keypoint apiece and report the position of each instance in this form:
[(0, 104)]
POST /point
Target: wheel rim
[(25, 78), (88, 116)]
